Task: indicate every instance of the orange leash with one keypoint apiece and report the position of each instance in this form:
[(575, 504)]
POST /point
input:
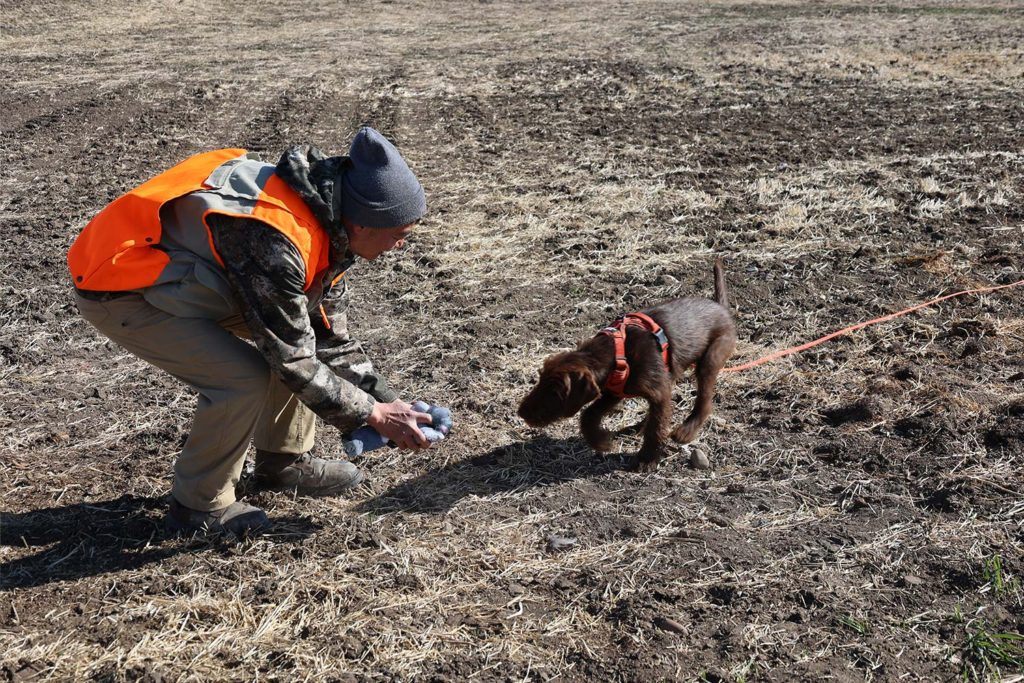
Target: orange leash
[(854, 328)]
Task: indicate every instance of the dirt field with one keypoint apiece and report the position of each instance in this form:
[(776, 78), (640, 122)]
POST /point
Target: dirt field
[(863, 517)]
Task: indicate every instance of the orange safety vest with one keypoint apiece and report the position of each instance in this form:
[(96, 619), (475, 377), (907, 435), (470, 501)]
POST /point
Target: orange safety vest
[(117, 250)]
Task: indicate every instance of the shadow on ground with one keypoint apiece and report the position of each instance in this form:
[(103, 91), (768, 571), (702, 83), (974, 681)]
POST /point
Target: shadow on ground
[(89, 539), (514, 467)]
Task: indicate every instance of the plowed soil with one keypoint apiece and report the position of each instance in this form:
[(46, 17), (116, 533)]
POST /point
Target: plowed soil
[(862, 517)]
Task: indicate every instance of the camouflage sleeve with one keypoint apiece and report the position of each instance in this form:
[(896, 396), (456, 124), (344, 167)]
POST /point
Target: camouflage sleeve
[(343, 354), (268, 274)]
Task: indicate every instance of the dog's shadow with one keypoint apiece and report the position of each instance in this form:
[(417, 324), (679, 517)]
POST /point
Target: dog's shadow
[(81, 540), (514, 467)]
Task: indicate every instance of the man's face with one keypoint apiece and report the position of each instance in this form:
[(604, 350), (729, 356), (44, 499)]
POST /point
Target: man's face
[(369, 243)]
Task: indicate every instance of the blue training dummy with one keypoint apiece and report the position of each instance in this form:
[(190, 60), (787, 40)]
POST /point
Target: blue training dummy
[(366, 439)]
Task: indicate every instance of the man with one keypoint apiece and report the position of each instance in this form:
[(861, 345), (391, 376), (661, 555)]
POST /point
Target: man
[(223, 246)]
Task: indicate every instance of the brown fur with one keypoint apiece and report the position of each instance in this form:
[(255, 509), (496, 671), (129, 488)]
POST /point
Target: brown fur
[(700, 332)]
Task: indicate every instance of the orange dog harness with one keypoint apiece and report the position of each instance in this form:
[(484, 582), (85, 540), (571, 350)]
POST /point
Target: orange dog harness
[(616, 383)]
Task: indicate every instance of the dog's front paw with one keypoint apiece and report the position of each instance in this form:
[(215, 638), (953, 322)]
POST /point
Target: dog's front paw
[(601, 441), (645, 462)]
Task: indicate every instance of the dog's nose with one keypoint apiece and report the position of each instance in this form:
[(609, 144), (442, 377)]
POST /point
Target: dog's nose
[(529, 419)]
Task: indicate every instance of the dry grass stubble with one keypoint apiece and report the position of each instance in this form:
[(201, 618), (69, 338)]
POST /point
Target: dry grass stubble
[(862, 519)]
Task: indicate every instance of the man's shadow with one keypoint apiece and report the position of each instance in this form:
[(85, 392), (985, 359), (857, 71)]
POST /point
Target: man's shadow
[(89, 539), (515, 467)]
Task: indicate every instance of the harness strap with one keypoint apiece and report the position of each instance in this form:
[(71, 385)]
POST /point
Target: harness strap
[(616, 383)]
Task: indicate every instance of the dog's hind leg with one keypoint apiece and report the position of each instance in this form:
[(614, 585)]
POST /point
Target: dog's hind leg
[(599, 438), (708, 367)]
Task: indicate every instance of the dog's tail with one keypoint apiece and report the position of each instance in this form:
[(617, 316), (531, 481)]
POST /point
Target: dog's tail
[(721, 293)]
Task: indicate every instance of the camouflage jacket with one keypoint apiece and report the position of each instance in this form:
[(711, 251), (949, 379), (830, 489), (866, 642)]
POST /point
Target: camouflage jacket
[(323, 365), (307, 346)]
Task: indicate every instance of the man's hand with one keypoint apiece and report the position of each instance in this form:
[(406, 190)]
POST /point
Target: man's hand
[(400, 423)]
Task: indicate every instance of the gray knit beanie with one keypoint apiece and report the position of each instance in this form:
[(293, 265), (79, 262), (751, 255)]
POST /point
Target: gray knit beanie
[(378, 190)]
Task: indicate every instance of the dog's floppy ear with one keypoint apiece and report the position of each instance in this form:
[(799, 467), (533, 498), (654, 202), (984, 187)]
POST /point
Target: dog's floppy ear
[(581, 389)]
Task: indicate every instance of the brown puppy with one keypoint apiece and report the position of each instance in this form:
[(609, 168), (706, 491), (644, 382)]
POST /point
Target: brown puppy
[(700, 332)]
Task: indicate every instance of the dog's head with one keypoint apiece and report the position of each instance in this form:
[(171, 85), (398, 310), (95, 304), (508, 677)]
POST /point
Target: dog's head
[(566, 384)]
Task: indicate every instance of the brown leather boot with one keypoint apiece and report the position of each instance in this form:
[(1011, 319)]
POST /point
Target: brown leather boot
[(238, 518), (305, 474)]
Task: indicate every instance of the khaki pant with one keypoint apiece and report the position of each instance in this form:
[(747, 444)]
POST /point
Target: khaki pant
[(239, 398)]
